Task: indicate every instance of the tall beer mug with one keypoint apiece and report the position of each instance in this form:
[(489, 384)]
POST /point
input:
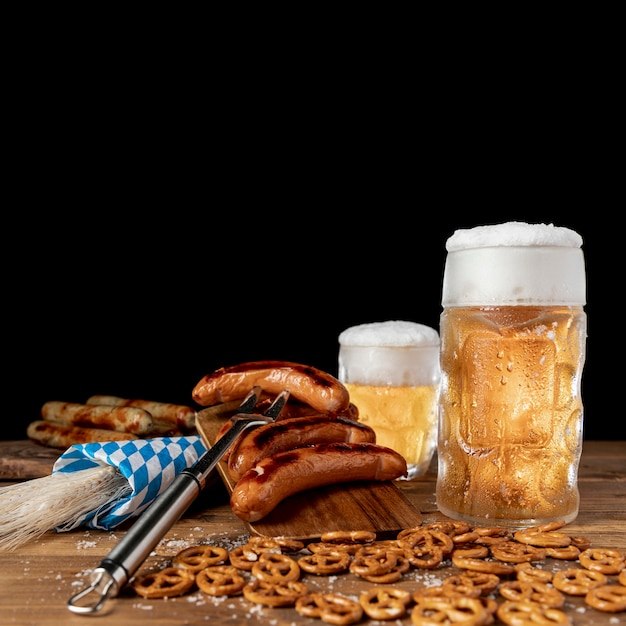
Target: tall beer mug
[(391, 370), (513, 337)]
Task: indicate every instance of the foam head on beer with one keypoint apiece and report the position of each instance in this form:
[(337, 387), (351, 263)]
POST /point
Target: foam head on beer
[(383, 353), (513, 264)]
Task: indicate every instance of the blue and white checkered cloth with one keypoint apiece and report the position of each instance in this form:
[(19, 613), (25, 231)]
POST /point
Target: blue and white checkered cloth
[(149, 465)]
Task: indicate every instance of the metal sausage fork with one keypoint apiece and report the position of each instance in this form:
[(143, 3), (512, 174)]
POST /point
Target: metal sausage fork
[(116, 569)]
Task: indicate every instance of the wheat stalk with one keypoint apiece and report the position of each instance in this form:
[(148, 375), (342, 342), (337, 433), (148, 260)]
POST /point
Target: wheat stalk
[(28, 510)]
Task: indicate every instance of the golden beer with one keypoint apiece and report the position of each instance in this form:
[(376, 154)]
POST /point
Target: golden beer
[(513, 335), (404, 419), (391, 370), (510, 414)]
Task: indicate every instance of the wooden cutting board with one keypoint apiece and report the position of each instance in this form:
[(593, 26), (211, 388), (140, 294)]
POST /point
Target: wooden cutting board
[(372, 505)]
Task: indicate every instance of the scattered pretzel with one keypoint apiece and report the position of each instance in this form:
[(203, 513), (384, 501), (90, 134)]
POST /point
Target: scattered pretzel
[(472, 551), (350, 548), (566, 553), (220, 580), (324, 562), (385, 603), (483, 581), (527, 573), (526, 613), (621, 579), (602, 560), (332, 608), (348, 536), (514, 552), (275, 567), (578, 581), (607, 598), (540, 593), (274, 594), (165, 583), (198, 557), (434, 610), (482, 565), (544, 536)]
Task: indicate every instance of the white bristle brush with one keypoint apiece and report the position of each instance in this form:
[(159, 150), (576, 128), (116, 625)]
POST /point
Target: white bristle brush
[(28, 510)]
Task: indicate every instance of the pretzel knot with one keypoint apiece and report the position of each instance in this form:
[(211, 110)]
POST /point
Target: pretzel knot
[(274, 594), (577, 581), (527, 613), (220, 580), (607, 598), (544, 536), (482, 565), (601, 560), (276, 567), (166, 583), (385, 603), (529, 574), (332, 608), (326, 561), (457, 609), (514, 552), (198, 557), (540, 593)]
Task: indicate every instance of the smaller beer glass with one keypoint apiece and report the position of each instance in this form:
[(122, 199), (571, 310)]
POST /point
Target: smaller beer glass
[(391, 370), (513, 333)]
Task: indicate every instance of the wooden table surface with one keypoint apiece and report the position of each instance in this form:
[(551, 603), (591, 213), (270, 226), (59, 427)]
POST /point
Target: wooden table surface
[(38, 578)]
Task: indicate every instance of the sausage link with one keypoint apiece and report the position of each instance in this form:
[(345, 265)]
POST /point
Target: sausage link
[(121, 419), (55, 435), (308, 384), (276, 477), (293, 433), (179, 416)]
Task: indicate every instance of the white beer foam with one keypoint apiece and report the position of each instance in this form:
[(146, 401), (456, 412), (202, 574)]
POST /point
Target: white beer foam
[(394, 353), (514, 264), (513, 234), (390, 333)]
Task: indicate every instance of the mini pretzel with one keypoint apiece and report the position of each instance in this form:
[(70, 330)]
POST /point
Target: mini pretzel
[(471, 550), (165, 583), (482, 565), (608, 598), (426, 557), (540, 593), (348, 536), (423, 536), (324, 562), (484, 582), (602, 560), (331, 608), (275, 567), (451, 528), (256, 545), (457, 585), (529, 574), (621, 579), (289, 545), (578, 581), (544, 536), (489, 535), (198, 557), (566, 553), (350, 548), (514, 552), (373, 564), (527, 613), (274, 594), (383, 603), (434, 610), (220, 580)]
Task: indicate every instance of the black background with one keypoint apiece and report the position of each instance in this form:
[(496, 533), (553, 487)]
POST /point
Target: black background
[(143, 304)]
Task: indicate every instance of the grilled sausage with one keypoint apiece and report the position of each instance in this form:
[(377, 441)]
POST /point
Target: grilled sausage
[(166, 416), (57, 435), (122, 419), (276, 477), (318, 389), (296, 432)]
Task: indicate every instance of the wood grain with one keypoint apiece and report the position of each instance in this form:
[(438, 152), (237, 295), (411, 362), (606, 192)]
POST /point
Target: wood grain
[(38, 578)]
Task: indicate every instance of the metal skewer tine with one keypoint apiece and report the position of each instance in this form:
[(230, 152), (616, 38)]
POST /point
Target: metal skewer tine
[(125, 558)]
